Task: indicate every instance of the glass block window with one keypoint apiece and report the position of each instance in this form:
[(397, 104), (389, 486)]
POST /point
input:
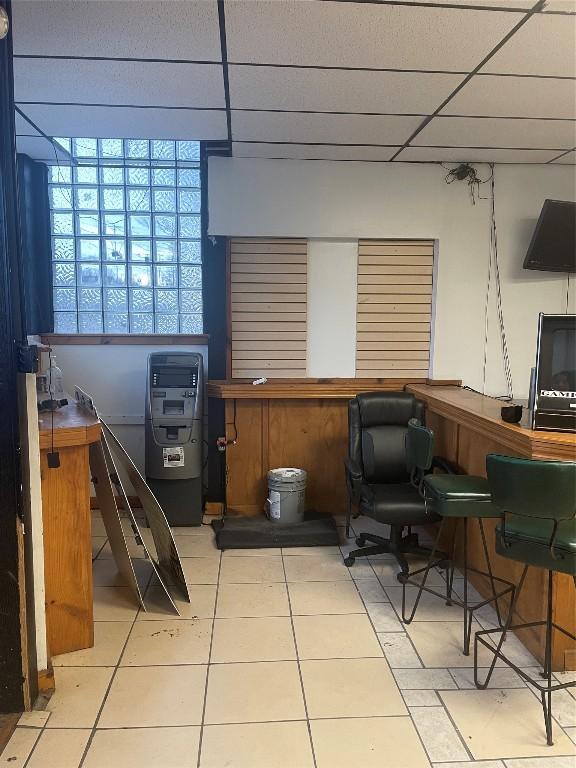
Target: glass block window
[(126, 237)]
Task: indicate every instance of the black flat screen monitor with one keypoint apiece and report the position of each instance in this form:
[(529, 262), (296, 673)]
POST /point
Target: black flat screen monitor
[(553, 244)]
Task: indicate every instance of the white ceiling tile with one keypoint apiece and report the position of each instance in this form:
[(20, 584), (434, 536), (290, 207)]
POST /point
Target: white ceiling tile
[(178, 29), (39, 148), (23, 127), (362, 34), (322, 129), (128, 122), (119, 82), (497, 132), (312, 152), (545, 45), (568, 159), (515, 97), (474, 155), (338, 90)]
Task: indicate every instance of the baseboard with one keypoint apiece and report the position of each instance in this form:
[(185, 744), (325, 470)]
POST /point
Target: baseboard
[(46, 684)]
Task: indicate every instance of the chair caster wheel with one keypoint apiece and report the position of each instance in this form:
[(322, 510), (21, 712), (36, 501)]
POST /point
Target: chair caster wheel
[(348, 561), (402, 577), (360, 541)]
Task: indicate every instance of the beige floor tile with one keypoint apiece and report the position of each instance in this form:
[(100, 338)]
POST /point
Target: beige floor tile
[(399, 651), (192, 530), (115, 604), (503, 724), (155, 696), (371, 591), (439, 644), (135, 550), (257, 745), (440, 738), (261, 552), (430, 607), (201, 570), (335, 637), (258, 639), (424, 679), (78, 696), (350, 688), (18, 749), (314, 551), (174, 641), (387, 572), (36, 718), (371, 743), (98, 528), (309, 598), (196, 546), (109, 639), (60, 749), (106, 574), (237, 600), (248, 693), (251, 570), (159, 608), (144, 748), (316, 568), (97, 544)]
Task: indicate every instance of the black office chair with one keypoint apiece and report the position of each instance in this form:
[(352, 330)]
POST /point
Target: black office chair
[(377, 476)]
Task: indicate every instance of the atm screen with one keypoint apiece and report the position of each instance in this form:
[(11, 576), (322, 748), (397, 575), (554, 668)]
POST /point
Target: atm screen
[(174, 377)]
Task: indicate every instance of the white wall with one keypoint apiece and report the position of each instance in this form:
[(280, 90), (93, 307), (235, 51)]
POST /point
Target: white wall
[(331, 332), (318, 199), (115, 376)]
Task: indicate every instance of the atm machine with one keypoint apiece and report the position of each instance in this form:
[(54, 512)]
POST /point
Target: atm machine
[(174, 404)]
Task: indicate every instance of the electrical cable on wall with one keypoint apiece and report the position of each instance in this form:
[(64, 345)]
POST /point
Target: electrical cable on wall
[(466, 172), (498, 285)]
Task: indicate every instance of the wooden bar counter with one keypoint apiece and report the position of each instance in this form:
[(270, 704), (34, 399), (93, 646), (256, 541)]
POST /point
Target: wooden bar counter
[(67, 528), (290, 423), (467, 427)]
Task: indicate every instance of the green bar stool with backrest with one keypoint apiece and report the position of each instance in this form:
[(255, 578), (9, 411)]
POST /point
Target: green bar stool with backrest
[(452, 497), (537, 500)]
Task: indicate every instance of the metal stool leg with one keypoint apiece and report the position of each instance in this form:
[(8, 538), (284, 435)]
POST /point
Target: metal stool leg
[(422, 586), (498, 648), (546, 696), (489, 568)]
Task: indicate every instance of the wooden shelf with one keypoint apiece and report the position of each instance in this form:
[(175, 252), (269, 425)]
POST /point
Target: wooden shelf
[(302, 389), (481, 414), (72, 427)]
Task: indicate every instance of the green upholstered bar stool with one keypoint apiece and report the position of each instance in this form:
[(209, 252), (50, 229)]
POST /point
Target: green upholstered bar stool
[(452, 497), (538, 528)]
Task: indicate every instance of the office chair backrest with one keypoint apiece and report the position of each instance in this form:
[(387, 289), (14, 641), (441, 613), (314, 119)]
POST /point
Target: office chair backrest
[(419, 450), (378, 423), (529, 488)]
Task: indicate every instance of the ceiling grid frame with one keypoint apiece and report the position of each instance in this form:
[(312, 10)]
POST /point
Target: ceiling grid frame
[(356, 147)]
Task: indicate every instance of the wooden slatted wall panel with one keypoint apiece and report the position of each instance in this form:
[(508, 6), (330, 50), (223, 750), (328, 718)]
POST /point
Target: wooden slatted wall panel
[(394, 308), (268, 307)]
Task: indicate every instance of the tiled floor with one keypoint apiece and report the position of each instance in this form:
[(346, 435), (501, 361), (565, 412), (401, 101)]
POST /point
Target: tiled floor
[(284, 659)]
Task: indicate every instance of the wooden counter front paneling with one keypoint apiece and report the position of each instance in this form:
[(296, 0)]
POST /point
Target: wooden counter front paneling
[(467, 427), (67, 529), (295, 422)]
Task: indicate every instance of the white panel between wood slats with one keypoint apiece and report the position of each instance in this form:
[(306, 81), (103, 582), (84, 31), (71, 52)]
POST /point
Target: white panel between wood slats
[(394, 308), (268, 307)]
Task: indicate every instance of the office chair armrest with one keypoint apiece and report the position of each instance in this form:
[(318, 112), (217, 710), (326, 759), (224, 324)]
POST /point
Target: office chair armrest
[(439, 462), (354, 478)]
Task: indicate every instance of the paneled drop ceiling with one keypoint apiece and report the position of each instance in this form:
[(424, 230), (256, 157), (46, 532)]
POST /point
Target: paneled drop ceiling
[(412, 80)]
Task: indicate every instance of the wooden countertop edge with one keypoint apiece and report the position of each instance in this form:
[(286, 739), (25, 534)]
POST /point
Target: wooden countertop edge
[(302, 389), (526, 442), (67, 437)]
